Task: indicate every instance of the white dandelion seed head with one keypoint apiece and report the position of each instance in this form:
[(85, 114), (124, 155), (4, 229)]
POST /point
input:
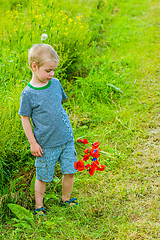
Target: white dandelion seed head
[(44, 36)]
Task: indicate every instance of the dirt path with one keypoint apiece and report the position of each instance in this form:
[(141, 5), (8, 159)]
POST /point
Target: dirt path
[(145, 174), (140, 184), (145, 184)]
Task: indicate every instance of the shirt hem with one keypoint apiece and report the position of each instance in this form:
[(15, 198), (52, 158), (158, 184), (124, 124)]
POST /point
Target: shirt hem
[(57, 145)]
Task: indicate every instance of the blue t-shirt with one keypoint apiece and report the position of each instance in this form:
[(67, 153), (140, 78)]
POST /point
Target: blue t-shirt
[(50, 121)]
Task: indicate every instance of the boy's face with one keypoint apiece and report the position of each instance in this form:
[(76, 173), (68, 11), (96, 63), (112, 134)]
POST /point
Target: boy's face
[(45, 72)]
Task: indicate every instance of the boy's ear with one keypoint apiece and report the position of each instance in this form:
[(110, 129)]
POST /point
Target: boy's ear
[(34, 66)]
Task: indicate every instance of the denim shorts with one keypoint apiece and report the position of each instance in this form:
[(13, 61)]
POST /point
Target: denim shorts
[(65, 154)]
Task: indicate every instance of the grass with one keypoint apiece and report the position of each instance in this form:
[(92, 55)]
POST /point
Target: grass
[(114, 99)]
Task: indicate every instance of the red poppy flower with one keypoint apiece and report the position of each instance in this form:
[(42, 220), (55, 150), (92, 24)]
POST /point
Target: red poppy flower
[(95, 145), (101, 168), (95, 153), (86, 150), (96, 162), (87, 166), (79, 165), (84, 141), (86, 157), (91, 171)]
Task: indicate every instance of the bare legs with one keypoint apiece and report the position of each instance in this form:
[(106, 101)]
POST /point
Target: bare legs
[(67, 185), (39, 193)]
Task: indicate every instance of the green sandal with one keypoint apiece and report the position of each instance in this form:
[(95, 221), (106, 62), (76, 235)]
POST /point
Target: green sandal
[(67, 203), (40, 211)]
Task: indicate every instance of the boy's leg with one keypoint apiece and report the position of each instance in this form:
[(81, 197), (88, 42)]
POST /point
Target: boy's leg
[(67, 185), (39, 193)]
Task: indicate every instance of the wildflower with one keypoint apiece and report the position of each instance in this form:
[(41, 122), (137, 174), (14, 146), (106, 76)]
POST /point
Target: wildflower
[(79, 165), (70, 20), (86, 150), (95, 163), (95, 145), (44, 36), (94, 159), (84, 141), (86, 157), (101, 167), (87, 166), (94, 153), (92, 169)]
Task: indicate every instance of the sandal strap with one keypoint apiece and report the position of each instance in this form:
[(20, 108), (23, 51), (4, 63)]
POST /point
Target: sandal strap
[(66, 203), (73, 200), (37, 210)]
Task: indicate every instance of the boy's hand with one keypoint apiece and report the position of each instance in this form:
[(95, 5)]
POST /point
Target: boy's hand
[(36, 150)]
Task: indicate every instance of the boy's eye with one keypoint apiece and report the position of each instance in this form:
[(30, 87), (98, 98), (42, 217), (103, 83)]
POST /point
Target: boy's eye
[(48, 71)]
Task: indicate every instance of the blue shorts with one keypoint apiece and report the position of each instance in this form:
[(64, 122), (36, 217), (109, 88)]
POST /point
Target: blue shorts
[(45, 165)]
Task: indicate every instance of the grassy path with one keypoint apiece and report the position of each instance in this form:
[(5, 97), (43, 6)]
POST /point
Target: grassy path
[(125, 203), (139, 183)]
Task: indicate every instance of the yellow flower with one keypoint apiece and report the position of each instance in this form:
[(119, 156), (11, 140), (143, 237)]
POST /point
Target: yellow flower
[(70, 20)]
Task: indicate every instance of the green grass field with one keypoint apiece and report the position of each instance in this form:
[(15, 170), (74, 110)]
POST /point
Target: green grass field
[(109, 68)]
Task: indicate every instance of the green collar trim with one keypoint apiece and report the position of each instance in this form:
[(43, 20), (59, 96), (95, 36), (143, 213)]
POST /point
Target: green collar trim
[(40, 88)]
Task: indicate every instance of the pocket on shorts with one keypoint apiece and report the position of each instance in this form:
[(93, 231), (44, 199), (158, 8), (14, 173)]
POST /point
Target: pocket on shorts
[(41, 170), (40, 164)]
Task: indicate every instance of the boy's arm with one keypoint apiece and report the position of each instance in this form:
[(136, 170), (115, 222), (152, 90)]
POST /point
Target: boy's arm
[(36, 149)]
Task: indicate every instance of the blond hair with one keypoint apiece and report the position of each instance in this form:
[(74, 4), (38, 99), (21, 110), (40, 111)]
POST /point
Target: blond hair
[(42, 53)]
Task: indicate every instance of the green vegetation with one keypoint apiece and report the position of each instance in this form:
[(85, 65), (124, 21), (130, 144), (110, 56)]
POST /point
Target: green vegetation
[(109, 69)]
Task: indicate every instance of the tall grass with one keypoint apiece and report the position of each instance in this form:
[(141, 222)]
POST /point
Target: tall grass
[(74, 35)]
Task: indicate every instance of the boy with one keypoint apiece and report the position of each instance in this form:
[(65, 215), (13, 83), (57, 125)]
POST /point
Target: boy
[(52, 141)]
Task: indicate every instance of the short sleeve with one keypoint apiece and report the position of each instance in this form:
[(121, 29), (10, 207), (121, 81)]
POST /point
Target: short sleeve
[(64, 96), (25, 106)]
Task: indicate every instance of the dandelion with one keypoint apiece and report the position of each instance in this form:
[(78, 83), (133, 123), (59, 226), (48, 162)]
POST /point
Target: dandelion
[(44, 36), (70, 20)]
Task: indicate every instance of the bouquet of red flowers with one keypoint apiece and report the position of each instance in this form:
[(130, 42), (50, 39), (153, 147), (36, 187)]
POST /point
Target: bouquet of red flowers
[(90, 153)]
